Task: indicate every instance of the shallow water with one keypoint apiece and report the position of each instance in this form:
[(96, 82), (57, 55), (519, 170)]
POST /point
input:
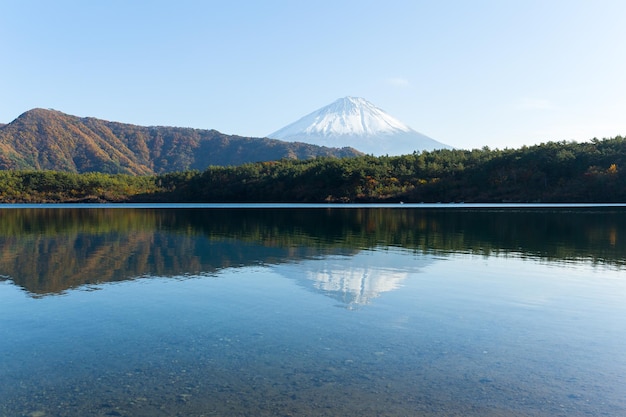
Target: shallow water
[(274, 312)]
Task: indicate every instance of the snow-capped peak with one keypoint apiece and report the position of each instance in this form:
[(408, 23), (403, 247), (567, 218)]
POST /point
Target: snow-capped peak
[(355, 122), (346, 116)]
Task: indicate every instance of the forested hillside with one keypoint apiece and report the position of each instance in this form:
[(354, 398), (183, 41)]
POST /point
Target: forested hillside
[(50, 140), (551, 172), (555, 172)]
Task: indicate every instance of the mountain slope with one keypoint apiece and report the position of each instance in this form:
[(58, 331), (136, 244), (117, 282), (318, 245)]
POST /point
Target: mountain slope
[(355, 122), (48, 139)]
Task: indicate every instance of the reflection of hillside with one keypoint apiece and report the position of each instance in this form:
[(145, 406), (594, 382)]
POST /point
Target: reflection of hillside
[(45, 265), (50, 250)]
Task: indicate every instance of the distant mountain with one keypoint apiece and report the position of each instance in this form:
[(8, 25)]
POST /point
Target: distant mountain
[(48, 139), (355, 122)]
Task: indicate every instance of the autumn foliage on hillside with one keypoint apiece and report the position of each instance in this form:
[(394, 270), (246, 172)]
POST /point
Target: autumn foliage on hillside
[(592, 171), (50, 140)]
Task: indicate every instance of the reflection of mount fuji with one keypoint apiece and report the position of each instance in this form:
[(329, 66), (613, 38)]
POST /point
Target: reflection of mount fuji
[(358, 279), (47, 251)]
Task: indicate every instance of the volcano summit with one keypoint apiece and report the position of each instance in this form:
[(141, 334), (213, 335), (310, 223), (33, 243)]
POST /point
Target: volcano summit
[(355, 122)]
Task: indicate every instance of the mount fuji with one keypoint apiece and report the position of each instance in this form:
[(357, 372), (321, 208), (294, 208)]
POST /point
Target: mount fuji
[(357, 123)]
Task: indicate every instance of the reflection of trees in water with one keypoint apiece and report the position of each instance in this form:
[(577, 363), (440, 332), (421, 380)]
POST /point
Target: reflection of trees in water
[(49, 250)]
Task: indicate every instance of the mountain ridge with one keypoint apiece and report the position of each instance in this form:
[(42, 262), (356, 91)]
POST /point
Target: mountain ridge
[(47, 139), (355, 122)]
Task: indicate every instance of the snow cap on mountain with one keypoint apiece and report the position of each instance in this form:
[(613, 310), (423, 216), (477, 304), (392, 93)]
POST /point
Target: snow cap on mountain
[(355, 122)]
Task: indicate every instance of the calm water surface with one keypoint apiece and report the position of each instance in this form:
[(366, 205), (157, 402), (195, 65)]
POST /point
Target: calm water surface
[(313, 311)]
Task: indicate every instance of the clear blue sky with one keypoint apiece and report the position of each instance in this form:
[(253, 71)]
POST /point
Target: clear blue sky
[(469, 73)]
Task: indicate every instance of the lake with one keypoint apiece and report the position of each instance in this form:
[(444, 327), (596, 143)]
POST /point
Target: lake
[(313, 310)]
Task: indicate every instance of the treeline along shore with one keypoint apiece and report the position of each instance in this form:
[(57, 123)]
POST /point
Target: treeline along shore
[(591, 171)]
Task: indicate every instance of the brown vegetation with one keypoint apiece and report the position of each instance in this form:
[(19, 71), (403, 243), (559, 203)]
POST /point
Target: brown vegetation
[(50, 140)]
